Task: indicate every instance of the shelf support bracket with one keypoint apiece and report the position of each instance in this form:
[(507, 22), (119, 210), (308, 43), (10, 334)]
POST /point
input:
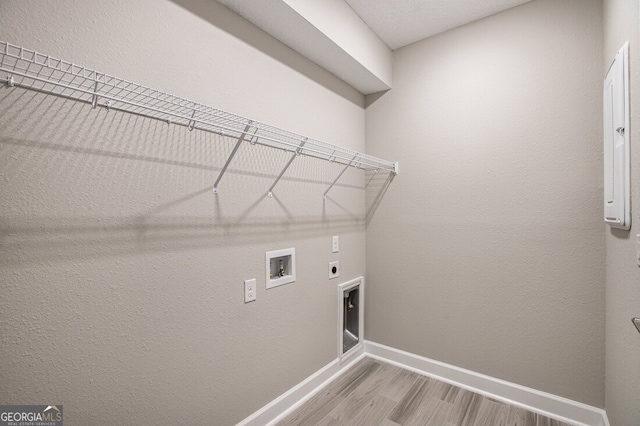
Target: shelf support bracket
[(192, 124), (94, 98), (233, 153), (293, 157), (374, 175), (340, 175)]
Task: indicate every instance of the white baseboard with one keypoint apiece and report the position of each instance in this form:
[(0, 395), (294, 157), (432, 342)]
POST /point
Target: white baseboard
[(280, 407), (549, 405)]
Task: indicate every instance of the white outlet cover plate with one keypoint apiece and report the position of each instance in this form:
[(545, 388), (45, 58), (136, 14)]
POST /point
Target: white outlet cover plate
[(332, 274), (249, 290), (335, 244)]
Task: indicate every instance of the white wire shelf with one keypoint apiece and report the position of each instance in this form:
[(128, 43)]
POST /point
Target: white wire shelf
[(31, 70)]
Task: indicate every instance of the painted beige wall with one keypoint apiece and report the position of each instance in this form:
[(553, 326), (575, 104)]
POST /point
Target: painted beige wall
[(487, 250), (121, 274), (621, 24)]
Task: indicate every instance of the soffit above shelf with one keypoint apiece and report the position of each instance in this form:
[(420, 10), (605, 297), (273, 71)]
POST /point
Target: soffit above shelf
[(328, 33)]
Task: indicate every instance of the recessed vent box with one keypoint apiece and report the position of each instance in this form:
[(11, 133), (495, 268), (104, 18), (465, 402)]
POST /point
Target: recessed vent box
[(350, 317), (280, 267)]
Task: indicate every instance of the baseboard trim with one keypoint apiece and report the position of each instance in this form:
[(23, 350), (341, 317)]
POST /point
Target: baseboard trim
[(280, 407), (549, 405)]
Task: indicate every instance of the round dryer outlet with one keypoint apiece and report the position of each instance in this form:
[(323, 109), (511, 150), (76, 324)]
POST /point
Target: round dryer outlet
[(334, 269)]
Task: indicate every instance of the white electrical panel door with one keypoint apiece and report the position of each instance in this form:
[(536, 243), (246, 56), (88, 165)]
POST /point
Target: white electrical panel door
[(617, 211)]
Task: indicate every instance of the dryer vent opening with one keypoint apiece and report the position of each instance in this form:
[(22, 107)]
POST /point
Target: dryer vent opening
[(350, 323), (350, 317)]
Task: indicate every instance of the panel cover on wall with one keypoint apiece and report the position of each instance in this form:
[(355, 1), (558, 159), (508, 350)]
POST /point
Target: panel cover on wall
[(617, 208)]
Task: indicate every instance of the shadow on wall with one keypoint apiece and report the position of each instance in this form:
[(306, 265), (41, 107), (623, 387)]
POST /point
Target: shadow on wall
[(83, 183), (227, 20), (376, 187), (620, 233)]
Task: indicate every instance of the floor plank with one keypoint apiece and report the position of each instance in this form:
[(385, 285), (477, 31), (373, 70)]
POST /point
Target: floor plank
[(352, 379), (328, 421), (399, 384), (518, 416), (362, 395), (312, 411), (378, 408), (409, 404), (491, 413), (443, 391), (376, 393), (466, 409), (435, 412)]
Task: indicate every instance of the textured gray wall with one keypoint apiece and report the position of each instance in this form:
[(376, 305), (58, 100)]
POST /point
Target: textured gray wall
[(487, 251), (121, 274), (621, 24)]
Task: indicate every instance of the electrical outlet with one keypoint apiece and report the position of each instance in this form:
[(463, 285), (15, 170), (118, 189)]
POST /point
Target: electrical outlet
[(334, 269), (249, 290), (335, 246)]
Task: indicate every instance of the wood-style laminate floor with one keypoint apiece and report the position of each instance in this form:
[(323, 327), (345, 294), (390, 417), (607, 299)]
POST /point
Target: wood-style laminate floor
[(377, 393)]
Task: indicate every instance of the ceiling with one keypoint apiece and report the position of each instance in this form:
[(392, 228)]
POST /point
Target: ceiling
[(402, 22)]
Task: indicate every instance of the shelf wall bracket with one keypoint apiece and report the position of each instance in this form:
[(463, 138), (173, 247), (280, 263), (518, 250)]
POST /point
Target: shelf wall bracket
[(293, 157), (340, 175), (233, 153)]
